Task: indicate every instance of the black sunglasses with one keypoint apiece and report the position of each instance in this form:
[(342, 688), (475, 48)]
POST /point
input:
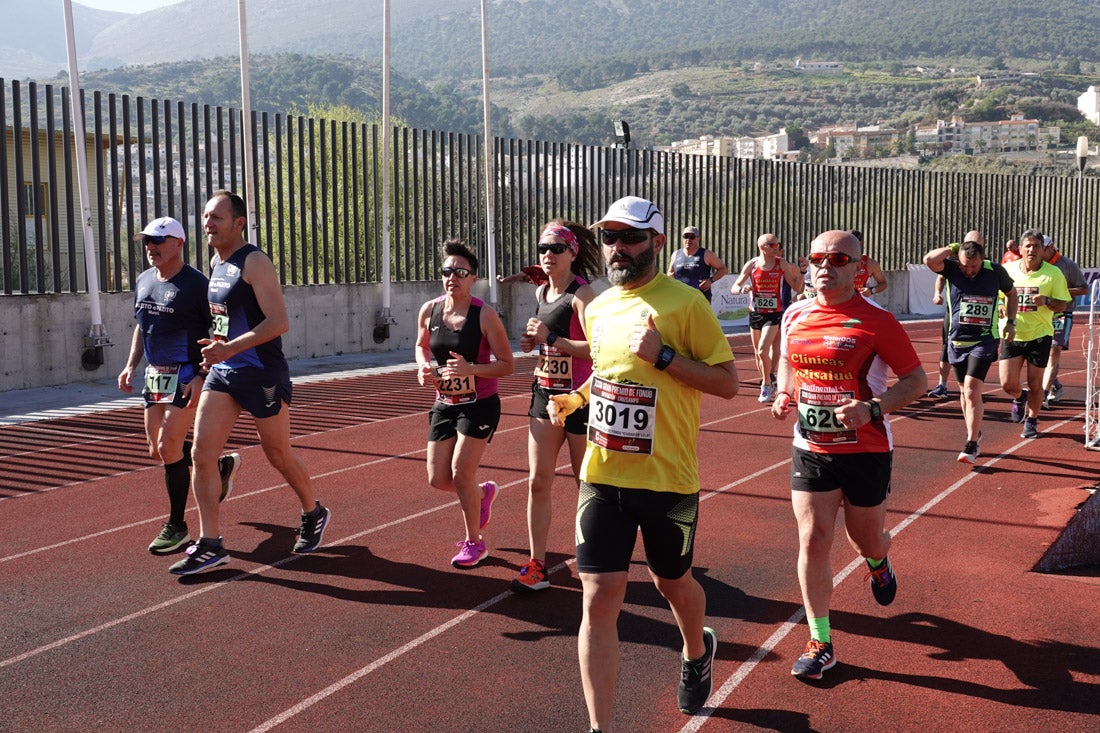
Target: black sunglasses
[(835, 259), (153, 239), (626, 236), (688, 236), (557, 249), (459, 272)]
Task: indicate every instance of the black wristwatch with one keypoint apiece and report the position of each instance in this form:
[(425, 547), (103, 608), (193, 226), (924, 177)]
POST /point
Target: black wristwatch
[(664, 358), (551, 338), (876, 409)]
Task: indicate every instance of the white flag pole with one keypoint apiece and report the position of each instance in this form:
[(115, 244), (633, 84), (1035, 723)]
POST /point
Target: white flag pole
[(246, 126), (385, 318), (96, 337), (490, 178)]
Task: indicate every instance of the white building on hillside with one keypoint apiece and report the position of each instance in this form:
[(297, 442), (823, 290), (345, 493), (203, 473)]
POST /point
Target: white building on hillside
[(819, 67), (769, 147), (847, 141), (1089, 105), (943, 138), (1002, 136)]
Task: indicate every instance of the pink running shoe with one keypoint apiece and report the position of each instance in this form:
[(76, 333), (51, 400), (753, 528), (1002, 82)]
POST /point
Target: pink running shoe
[(470, 553), (491, 490)]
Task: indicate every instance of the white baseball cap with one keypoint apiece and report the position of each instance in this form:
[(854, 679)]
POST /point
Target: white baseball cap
[(165, 226), (635, 212)]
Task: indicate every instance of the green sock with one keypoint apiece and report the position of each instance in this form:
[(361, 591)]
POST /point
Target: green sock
[(819, 629), (875, 564)]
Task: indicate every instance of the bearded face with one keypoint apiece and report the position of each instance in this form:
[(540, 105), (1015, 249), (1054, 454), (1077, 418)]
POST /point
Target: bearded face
[(625, 267)]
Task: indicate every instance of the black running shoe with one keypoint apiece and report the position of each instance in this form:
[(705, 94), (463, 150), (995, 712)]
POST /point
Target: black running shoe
[(817, 658), (1031, 428), (227, 469), (695, 676), (884, 584), (312, 530), (1019, 408), (970, 451), (206, 554)]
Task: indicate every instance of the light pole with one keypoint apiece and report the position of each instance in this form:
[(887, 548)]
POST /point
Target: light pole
[(1082, 157)]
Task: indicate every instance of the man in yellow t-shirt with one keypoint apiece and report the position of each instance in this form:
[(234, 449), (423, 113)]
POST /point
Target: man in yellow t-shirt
[(656, 346), (1042, 292)]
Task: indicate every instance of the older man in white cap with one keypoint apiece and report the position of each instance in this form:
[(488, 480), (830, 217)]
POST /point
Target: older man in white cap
[(651, 336), (695, 265), (172, 316)]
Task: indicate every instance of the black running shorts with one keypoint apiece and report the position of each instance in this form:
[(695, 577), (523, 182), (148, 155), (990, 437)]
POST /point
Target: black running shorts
[(608, 520)]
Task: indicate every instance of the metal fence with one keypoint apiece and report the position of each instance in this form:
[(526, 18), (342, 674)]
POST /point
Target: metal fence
[(318, 194)]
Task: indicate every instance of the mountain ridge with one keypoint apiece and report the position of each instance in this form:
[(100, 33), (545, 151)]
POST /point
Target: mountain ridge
[(434, 39), (675, 68)]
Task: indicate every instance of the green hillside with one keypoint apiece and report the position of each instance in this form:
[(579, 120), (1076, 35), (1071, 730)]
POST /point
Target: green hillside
[(564, 70)]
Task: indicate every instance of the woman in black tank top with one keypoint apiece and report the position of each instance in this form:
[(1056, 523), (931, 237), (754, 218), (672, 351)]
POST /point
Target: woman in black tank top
[(567, 252), (461, 350)]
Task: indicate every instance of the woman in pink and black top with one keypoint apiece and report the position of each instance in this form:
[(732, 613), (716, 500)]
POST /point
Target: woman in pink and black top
[(462, 349), (570, 258)]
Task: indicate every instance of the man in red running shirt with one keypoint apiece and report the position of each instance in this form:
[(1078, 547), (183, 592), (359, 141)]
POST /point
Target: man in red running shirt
[(833, 370), (764, 277)]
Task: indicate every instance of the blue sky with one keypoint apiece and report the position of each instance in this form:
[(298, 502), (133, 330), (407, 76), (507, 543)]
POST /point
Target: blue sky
[(125, 6)]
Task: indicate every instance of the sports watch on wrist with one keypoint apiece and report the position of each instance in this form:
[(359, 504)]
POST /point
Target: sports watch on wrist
[(876, 409), (664, 358)]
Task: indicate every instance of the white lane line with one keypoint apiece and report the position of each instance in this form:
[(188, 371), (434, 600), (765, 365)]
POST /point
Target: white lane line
[(696, 722), (236, 496), (745, 668), (240, 576), (717, 698)]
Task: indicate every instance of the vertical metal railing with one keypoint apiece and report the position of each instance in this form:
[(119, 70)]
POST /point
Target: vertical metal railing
[(318, 194)]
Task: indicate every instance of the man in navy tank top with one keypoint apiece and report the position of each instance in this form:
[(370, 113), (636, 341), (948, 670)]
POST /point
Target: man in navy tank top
[(692, 264), (247, 372)]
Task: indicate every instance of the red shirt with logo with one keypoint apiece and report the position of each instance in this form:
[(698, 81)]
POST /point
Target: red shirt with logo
[(840, 353), (767, 288)]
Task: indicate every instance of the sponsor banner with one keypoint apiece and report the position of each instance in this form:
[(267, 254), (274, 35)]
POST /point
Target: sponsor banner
[(732, 310)]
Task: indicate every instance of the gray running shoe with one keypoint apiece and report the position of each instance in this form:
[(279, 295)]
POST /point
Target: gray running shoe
[(312, 530), (815, 660), (206, 554)]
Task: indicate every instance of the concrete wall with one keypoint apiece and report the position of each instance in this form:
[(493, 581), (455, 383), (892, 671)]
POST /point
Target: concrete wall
[(41, 336)]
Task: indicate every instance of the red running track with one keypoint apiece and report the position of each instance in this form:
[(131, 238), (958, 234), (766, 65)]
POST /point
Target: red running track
[(377, 632)]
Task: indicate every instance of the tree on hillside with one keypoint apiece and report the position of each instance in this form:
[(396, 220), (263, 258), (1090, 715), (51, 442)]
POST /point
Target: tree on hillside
[(796, 138)]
